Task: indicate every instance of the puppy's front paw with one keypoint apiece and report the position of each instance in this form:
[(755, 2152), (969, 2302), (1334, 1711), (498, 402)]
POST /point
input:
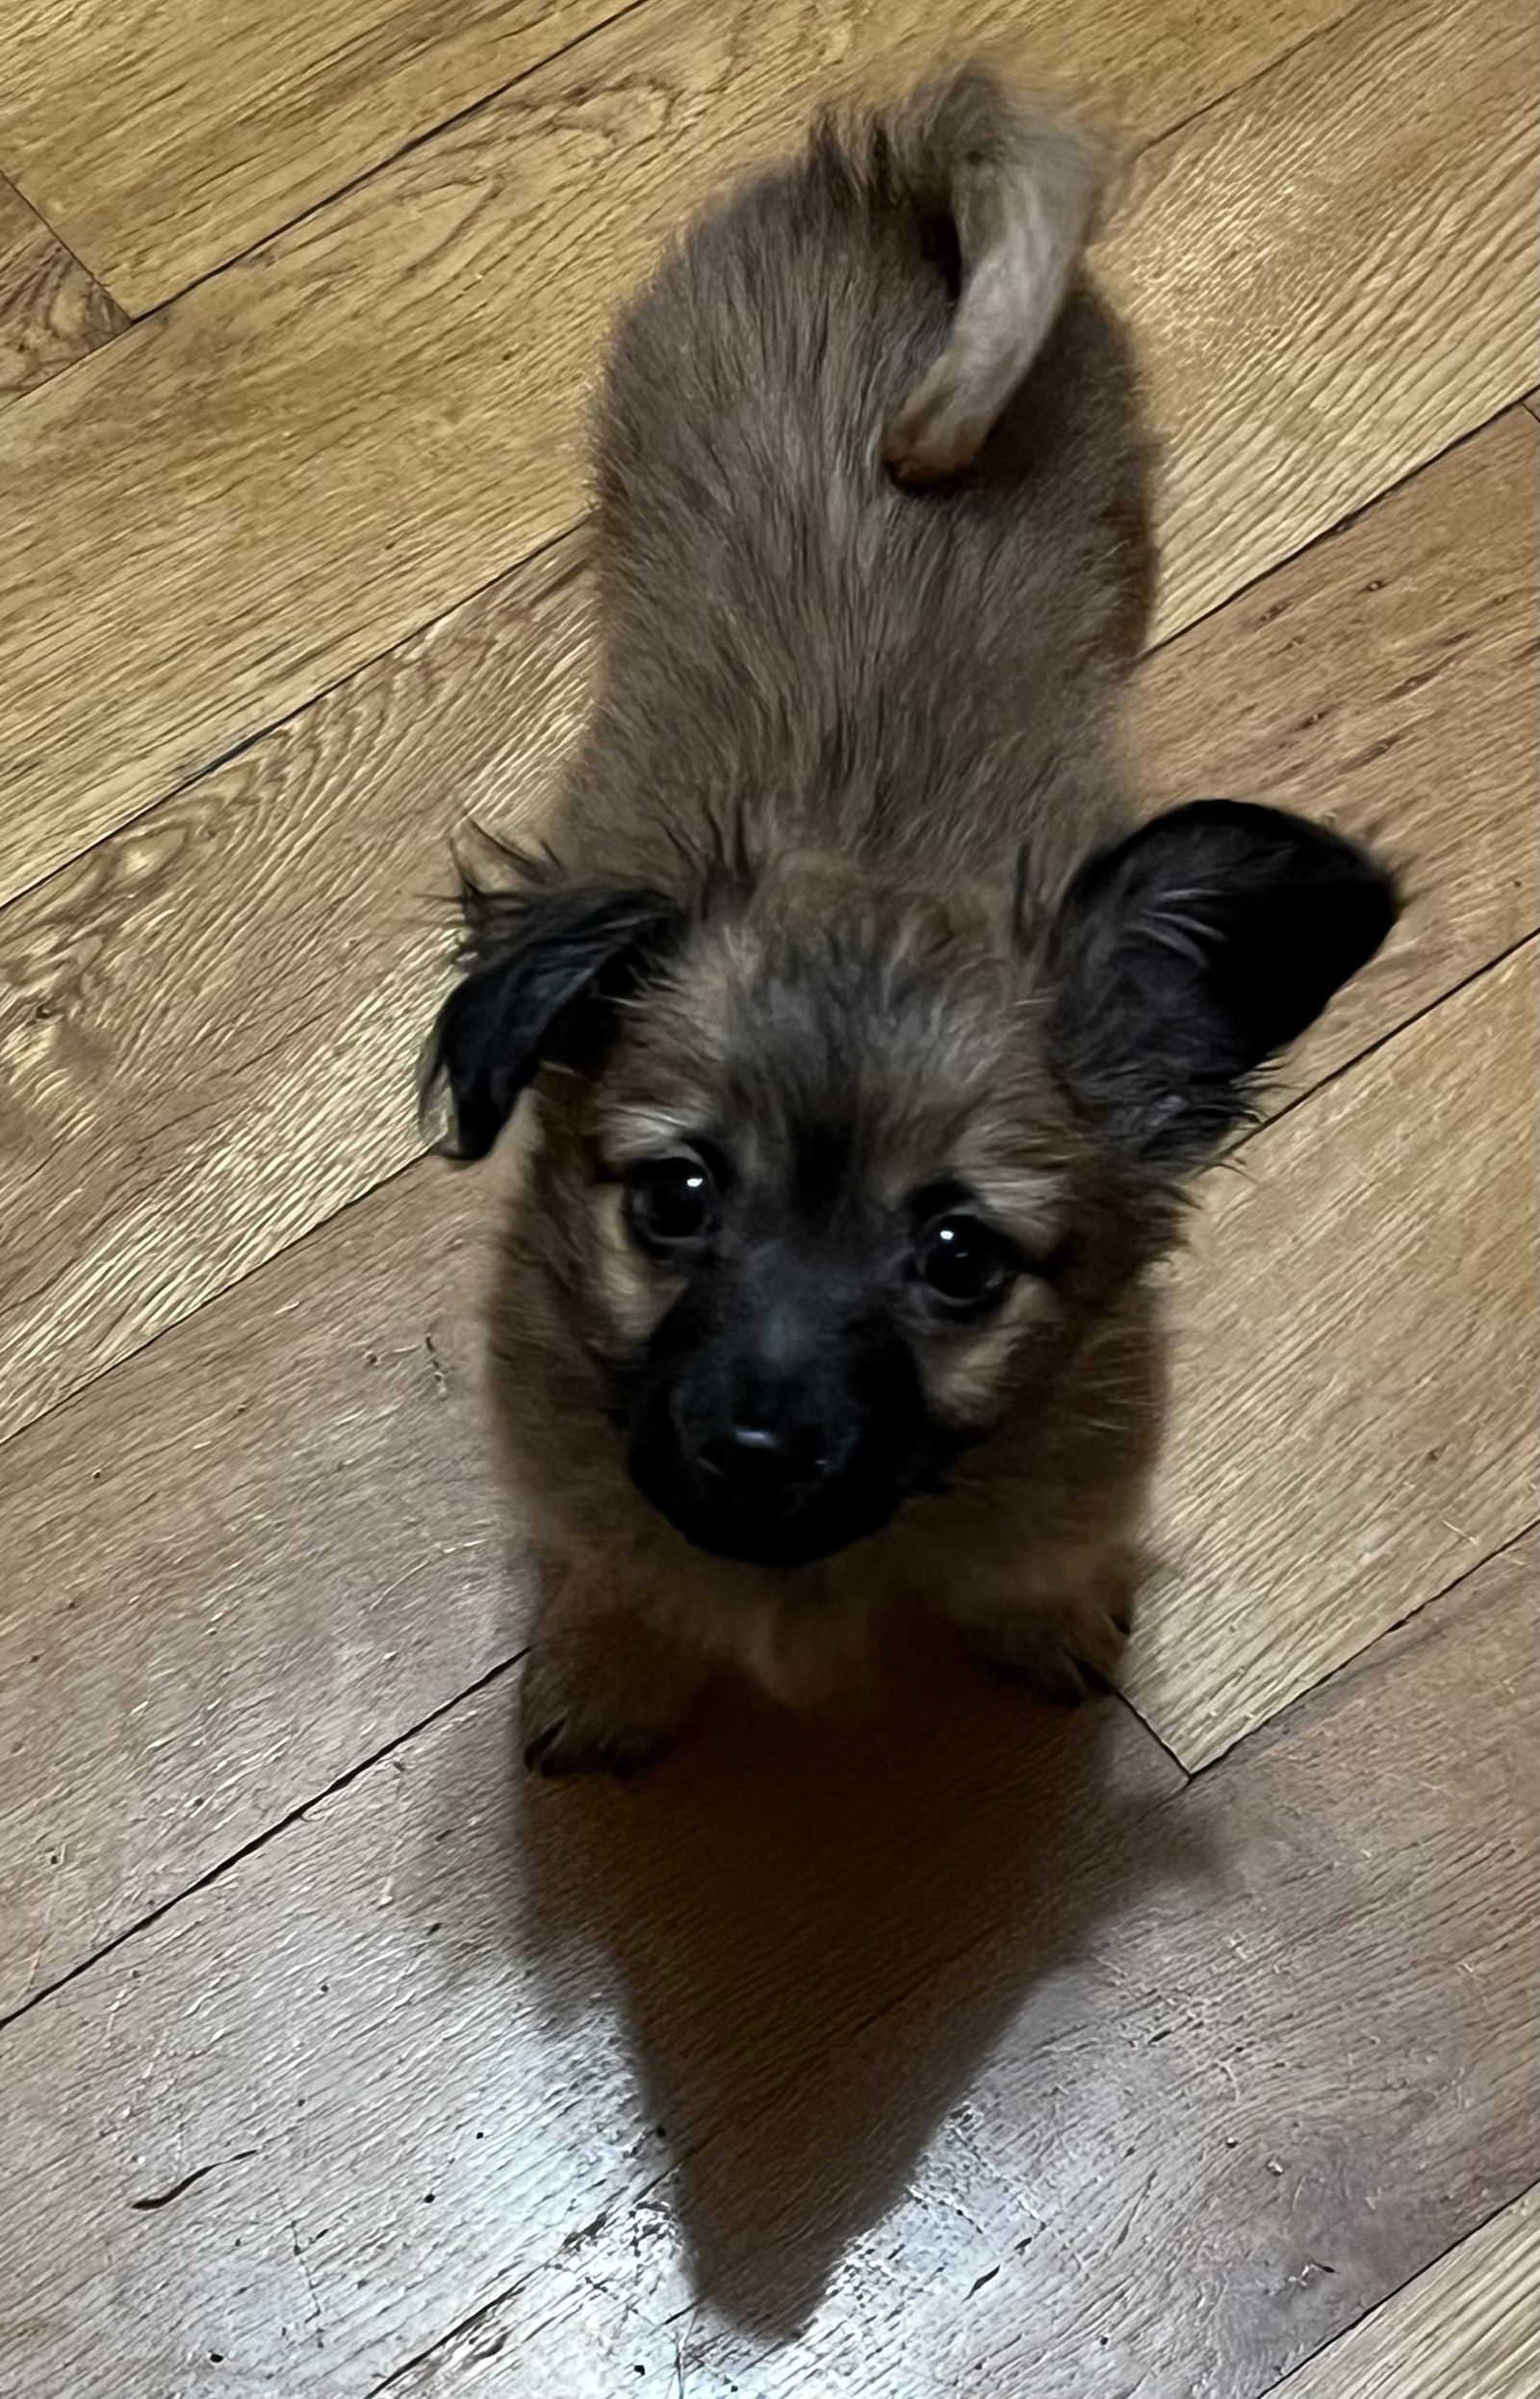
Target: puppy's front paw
[(565, 1744), (1067, 1648), (608, 1700), (1062, 1671)]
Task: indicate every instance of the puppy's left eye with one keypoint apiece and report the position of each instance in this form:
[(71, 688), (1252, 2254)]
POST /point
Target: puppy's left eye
[(965, 1263), (673, 1204)]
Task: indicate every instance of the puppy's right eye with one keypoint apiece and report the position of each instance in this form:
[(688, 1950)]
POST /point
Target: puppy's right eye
[(964, 1264), (673, 1206)]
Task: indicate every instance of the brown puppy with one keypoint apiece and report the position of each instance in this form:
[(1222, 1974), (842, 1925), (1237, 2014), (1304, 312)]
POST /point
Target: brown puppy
[(869, 1051)]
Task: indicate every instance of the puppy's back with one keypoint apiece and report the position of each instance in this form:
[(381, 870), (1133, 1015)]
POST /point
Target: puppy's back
[(869, 452)]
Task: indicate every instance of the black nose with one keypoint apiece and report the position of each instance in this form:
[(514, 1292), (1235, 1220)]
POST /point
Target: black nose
[(764, 1462)]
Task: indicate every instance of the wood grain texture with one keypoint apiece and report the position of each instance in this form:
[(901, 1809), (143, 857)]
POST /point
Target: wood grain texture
[(1273, 455), (403, 1937), (1355, 1422), (1466, 2329), (943, 2054), (1206, 2217), (206, 1025), (51, 310), (231, 1577), (321, 449), (162, 139)]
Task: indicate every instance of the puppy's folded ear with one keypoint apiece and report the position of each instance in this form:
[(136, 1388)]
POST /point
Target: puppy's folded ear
[(1186, 956), (551, 960)]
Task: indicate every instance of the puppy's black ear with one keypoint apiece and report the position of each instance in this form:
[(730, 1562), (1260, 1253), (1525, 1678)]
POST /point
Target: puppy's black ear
[(1189, 955), (551, 959)]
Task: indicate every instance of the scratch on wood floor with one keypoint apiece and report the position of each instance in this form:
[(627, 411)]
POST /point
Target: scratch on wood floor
[(162, 2198)]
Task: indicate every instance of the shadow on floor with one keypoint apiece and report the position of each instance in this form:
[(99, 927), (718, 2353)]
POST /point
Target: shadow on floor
[(816, 1929)]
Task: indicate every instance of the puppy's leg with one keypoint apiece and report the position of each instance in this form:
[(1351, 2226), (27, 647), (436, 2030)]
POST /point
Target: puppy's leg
[(603, 1692), (1059, 1628)]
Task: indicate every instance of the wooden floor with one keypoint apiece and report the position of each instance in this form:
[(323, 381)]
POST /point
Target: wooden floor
[(1182, 2050)]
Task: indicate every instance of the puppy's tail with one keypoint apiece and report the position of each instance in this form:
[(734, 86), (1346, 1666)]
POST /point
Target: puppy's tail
[(1022, 186)]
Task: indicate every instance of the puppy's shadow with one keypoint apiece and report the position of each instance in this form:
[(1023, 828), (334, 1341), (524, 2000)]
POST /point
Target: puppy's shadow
[(815, 1929)]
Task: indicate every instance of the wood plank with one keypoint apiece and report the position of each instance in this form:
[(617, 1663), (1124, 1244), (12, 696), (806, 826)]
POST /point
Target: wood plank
[(1192, 2159), (211, 1018), (51, 311), (175, 1113), (231, 1577), (383, 408), (401, 1920), (1045, 2071), (1354, 1421), (162, 139), (1270, 457), (112, 1774), (1466, 2329)]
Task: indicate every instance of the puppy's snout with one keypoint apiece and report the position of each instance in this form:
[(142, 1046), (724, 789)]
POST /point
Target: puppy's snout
[(775, 1431), (764, 1464), (764, 1460)]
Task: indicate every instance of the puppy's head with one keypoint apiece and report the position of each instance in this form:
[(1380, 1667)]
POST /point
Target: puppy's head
[(832, 1170)]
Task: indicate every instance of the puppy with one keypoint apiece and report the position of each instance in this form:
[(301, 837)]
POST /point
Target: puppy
[(870, 1041)]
